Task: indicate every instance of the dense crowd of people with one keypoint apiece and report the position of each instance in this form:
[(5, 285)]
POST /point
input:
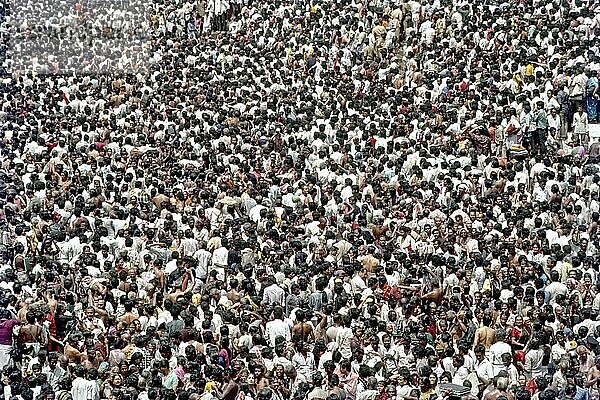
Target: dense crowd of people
[(337, 200), (83, 38)]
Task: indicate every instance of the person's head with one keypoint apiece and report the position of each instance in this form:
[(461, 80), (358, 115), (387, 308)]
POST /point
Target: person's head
[(117, 380), (570, 390), (52, 359), (487, 320), (329, 367), (345, 367), (433, 379), (480, 352), (386, 341), (502, 383), (500, 334), (265, 394), (402, 380), (278, 312), (78, 371), (42, 356)]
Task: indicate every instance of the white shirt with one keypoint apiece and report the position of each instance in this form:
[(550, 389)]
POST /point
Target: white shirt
[(554, 289), (304, 365), (496, 351), (276, 328), (93, 391), (79, 389), (485, 370), (343, 339), (220, 256), (54, 375), (204, 257), (533, 363), (274, 295)]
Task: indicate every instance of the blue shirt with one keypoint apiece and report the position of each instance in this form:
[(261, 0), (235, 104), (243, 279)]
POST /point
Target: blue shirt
[(581, 394)]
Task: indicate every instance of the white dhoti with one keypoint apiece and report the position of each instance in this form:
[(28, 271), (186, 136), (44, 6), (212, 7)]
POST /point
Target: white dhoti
[(4, 355)]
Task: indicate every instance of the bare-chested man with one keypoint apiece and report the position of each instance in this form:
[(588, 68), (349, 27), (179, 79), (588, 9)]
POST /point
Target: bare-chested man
[(72, 350), (594, 375), (97, 293), (436, 293), (485, 335), (302, 330), (129, 315)]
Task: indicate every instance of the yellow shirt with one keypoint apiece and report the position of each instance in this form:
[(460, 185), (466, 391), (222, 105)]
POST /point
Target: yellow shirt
[(529, 70)]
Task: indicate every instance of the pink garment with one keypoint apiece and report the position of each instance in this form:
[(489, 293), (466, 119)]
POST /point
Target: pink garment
[(6, 329), (223, 353)]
